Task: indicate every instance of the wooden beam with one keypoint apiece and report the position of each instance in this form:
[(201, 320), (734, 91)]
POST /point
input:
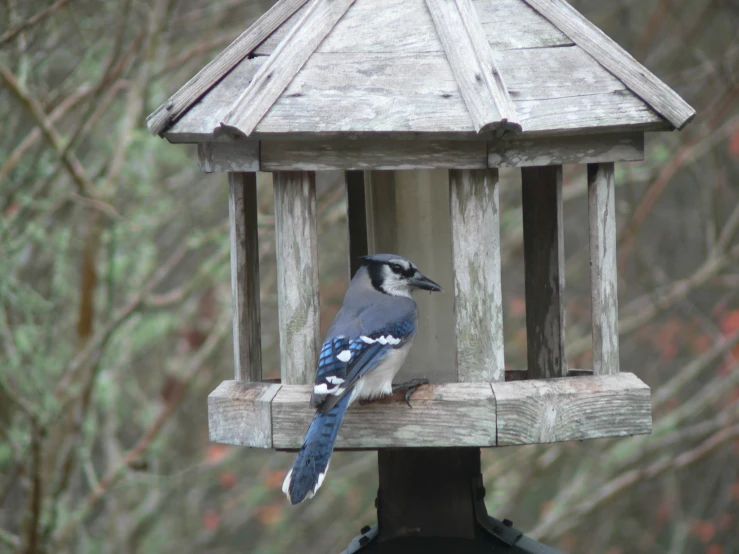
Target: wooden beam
[(211, 74), (282, 66), (239, 155), (240, 413), (545, 271), (242, 212), (356, 215), (576, 408), (368, 153), (615, 59), (318, 155), (478, 301), (464, 410), (473, 64), (427, 493), (603, 272), (297, 275), (449, 415), (578, 149)]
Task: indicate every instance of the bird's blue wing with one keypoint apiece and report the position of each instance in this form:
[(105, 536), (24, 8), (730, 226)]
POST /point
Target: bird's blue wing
[(344, 359)]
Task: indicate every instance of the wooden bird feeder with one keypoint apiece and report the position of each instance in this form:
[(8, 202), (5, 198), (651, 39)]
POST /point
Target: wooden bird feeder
[(420, 102)]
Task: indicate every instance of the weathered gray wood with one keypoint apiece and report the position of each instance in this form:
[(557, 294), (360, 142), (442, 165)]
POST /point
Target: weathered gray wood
[(557, 150), (472, 62), (553, 89), (242, 211), (241, 155), (281, 67), (356, 216), (615, 59), (446, 415), (408, 214), (371, 92), (513, 151), (533, 412), (372, 154), (200, 121), (297, 275), (478, 300), (513, 24), (212, 73), (458, 414), (603, 272), (544, 271), (240, 413), (273, 41)]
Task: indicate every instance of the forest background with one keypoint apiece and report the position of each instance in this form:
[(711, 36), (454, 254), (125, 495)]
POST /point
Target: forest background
[(115, 304)]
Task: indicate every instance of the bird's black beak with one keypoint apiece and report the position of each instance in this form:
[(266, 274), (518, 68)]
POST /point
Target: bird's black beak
[(425, 283)]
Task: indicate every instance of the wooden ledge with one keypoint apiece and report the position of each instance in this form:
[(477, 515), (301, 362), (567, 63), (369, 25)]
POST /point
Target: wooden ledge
[(447, 415)]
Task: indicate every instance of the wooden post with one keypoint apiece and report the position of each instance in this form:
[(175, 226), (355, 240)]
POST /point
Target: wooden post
[(603, 273), (478, 302), (242, 211), (297, 275), (356, 215), (545, 271)]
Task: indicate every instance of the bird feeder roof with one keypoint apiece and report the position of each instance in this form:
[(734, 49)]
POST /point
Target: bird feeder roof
[(419, 69)]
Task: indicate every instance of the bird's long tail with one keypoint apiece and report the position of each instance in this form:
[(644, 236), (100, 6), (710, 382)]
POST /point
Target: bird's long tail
[(311, 465)]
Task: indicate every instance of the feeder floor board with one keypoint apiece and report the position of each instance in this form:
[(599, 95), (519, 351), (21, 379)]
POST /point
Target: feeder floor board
[(268, 415)]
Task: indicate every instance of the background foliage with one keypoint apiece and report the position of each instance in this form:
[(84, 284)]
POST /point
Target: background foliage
[(115, 305)]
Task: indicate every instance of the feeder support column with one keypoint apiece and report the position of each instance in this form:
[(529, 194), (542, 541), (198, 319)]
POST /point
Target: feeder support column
[(296, 238), (242, 212)]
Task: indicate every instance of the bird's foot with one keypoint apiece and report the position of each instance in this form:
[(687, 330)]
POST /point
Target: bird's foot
[(410, 387)]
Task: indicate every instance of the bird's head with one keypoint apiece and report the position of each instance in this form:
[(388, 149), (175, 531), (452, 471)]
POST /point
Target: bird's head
[(396, 275)]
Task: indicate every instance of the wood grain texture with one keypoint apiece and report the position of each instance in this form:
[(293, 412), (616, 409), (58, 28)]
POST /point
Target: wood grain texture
[(544, 271), (356, 216), (534, 412), (513, 24), (372, 154), (578, 149), (297, 275), (242, 212), (391, 26), (463, 413), (370, 92), (448, 415), (615, 59), (212, 73), (603, 271), (240, 413), (553, 89), (271, 43), (478, 300), (282, 66), (201, 121), (240, 155), (473, 65)]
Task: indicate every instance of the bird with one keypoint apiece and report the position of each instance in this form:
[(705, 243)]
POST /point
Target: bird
[(364, 349)]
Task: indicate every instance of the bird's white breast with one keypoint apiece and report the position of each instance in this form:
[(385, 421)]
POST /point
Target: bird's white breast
[(379, 381)]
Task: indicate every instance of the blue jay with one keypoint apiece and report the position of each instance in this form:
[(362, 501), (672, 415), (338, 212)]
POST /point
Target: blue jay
[(365, 347)]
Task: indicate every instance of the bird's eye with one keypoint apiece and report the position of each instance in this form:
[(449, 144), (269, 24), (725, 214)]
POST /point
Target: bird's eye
[(396, 268)]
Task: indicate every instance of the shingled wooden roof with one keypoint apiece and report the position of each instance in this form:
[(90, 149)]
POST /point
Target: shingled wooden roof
[(419, 68)]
